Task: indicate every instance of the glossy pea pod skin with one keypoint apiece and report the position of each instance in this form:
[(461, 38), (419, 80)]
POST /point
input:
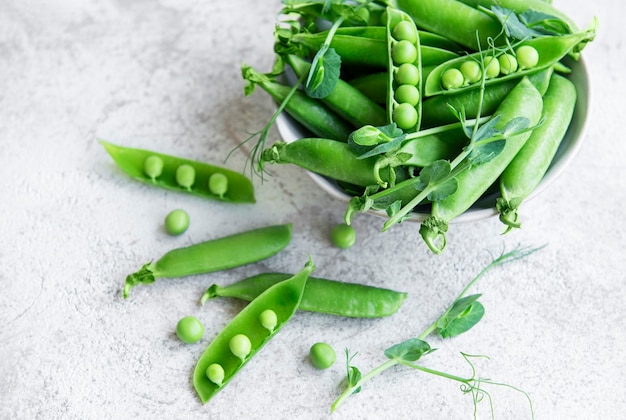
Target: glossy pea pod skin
[(436, 112), (283, 299), (325, 157), (214, 255), (404, 99), (309, 112), (345, 100), (320, 295), (358, 51), (523, 101), (551, 50), (529, 166), (520, 6), (453, 19), (132, 160)]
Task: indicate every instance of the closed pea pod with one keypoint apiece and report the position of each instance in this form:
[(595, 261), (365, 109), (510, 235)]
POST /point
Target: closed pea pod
[(364, 50), (320, 295), (325, 157), (345, 100), (309, 112), (283, 298), (524, 101), (134, 162), (214, 255), (452, 19), (529, 166)]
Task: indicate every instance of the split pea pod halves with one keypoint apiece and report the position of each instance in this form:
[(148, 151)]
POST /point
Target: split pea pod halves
[(163, 173), (214, 255), (320, 295), (225, 356)]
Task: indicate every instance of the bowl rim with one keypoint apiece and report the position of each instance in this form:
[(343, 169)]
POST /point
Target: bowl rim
[(289, 130)]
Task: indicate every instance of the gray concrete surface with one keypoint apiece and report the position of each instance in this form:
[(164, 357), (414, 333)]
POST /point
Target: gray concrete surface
[(164, 75)]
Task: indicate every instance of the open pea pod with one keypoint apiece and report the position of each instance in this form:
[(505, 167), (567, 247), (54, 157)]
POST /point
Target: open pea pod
[(404, 61), (282, 299), (550, 50), (239, 188)]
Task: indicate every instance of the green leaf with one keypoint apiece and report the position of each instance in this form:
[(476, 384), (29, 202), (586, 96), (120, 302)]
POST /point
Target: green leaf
[(464, 322), (409, 350), (324, 73), (485, 152), (515, 126), (443, 190), (513, 27), (433, 173), (545, 23), (487, 130)]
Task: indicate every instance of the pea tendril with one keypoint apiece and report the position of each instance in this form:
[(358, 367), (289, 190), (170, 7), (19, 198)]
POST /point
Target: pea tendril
[(454, 319)]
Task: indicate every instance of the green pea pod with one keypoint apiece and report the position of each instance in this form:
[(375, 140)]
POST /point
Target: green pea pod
[(345, 100), (373, 85), (436, 111), (521, 6), (309, 112), (454, 20), (427, 39), (214, 255), (320, 295), (551, 50), (357, 51), (404, 102), (326, 157), (526, 170), (523, 101), (132, 162), (283, 299)]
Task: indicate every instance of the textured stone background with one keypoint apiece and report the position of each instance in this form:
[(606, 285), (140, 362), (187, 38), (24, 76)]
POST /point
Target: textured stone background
[(165, 75)]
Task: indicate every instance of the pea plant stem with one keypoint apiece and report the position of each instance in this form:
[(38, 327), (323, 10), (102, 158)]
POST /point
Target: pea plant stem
[(353, 388)]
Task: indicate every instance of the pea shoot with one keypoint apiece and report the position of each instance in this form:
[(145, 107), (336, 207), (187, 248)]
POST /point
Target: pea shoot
[(463, 314)]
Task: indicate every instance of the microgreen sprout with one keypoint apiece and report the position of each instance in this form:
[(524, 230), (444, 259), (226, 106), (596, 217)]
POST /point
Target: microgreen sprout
[(464, 313)]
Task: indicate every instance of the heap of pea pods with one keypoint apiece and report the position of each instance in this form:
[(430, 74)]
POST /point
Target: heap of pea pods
[(425, 106)]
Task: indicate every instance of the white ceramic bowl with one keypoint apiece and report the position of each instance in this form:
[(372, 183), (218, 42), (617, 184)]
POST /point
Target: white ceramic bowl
[(290, 130)]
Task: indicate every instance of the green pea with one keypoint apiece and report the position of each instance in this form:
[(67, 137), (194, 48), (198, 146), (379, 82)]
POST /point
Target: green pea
[(404, 52), (508, 64), (185, 176), (215, 373), (452, 79), (492, 67), (322, 355), (405, 116), (268, 319), (176, 222), (342, 235), (407, 74), (471, 71), (527, 57), (405, 30), (189, 329), (218, 184), (153, 167), (407, 94), (240, 346)]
